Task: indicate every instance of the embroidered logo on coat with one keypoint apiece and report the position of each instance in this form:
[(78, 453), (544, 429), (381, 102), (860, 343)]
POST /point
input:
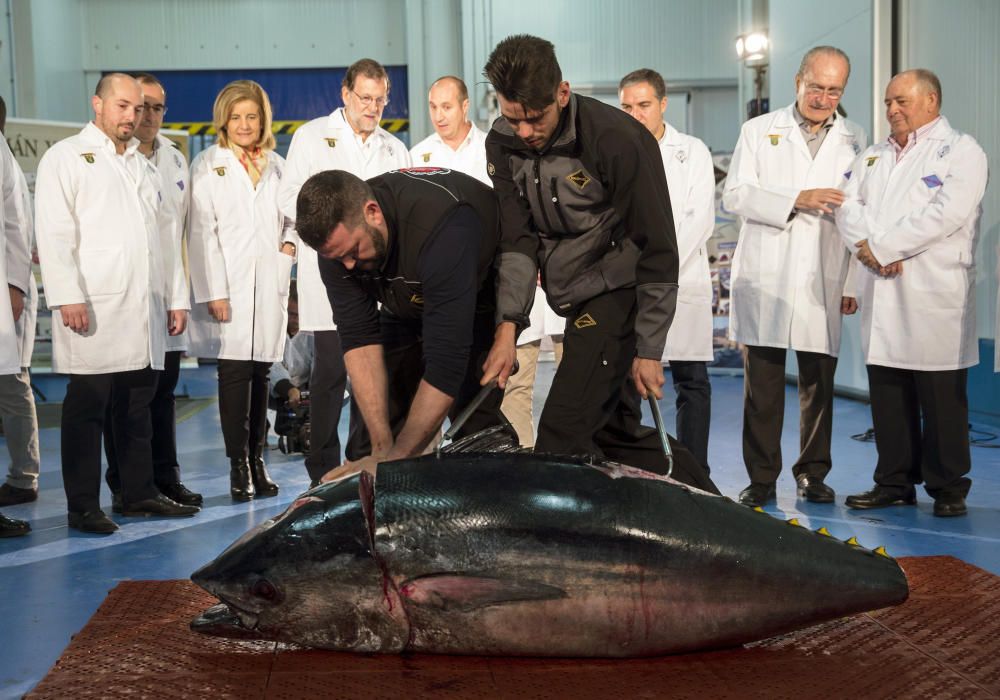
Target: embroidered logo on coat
[(490, 170), (579, 178), (332, 143), (680, 156), (417, 299), (932, 181), (945, 149), (89, 157), (220, 171), (871, 160), (585, 321), (180, 185), (427, 157), (775, 138)]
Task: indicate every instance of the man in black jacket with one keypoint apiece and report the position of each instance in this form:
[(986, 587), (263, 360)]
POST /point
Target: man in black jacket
[(420, 242), (583, 196)]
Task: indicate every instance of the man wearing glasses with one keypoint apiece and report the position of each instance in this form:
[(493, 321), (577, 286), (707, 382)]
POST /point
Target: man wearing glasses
[(790, 272), (349, 139)]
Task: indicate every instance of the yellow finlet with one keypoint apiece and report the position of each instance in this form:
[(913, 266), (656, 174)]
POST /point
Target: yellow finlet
[(794, 522), (881, 552), (758, 509), (823, 531), (853, 542)]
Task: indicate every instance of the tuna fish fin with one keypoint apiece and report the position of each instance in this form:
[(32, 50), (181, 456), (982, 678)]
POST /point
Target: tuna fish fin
[(457, 591)]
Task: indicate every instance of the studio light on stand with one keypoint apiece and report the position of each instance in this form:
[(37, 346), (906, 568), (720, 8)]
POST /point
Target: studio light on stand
[(752, 49)]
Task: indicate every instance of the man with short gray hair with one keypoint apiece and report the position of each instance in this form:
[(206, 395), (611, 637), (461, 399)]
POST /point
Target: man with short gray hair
[(914, 202), (790, 271)]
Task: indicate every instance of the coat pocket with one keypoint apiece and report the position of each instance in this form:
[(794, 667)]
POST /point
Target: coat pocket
[(104, 271), (285, 263)]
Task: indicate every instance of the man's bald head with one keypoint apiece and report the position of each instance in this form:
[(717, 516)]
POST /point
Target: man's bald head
[(448, 103), (118, 104), (453, 81), (110, 81)]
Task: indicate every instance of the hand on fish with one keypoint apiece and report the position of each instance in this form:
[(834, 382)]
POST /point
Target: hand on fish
[(365, 464)]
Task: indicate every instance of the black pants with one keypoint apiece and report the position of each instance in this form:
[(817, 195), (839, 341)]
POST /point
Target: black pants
[(593, 407), (162, 412), (326, 399), (694, 407), (921, 424), (402, 346), (83, 418), (243, 406), (764, 412)]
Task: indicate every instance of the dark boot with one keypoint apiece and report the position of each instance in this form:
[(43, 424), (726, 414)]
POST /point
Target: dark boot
[(240, 482), (261, 479)]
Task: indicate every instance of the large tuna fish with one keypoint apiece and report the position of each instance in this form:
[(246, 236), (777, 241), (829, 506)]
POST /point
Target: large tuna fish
[(519, 554)]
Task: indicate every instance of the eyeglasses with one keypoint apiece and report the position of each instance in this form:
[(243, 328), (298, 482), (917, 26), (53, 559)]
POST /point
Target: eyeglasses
[(155, 109), (368, 100), (817, 91)]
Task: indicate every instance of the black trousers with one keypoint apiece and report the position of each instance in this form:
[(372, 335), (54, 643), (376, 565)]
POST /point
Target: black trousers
[(593, 407), (164, 421), (83, 419), (764, 412), (243, 406), (402, 346), (326, 399), (921, 422), (694, 406)]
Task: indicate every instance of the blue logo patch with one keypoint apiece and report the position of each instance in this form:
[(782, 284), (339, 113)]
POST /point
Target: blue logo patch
[(847, 175), (932, 181), (180, 185)]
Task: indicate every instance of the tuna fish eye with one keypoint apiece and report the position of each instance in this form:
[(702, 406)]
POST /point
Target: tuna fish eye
[(265, 590)]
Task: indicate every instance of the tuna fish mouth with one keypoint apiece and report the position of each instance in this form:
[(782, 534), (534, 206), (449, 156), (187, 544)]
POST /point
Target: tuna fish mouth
[(226, 620)]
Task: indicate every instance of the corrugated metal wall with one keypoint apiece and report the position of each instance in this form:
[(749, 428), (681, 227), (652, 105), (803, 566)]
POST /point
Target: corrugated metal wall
[(193, 34), (959, 42)]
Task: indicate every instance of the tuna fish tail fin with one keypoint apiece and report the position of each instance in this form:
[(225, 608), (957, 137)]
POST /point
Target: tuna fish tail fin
[(457, 591)]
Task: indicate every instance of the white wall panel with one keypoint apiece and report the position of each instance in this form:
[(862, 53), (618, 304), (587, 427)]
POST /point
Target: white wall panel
[(222, 34), (958, 41)]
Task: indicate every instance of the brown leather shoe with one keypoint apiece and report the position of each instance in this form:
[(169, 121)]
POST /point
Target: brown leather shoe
[(11, 495)]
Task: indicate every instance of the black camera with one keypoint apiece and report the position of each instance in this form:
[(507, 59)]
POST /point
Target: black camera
[(291, 424)]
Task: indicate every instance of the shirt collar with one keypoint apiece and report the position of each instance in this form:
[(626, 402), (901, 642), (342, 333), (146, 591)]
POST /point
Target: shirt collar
[(94, 134), (914, 135), (806, 125)]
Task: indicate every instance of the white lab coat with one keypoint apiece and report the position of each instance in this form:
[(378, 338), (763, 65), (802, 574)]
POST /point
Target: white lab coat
[(16, 260), (234, 241), (788, 277), (99, 244), (329, 143), (470, 158), (691, 183), (925, 211), (22, 210), (176, 189)]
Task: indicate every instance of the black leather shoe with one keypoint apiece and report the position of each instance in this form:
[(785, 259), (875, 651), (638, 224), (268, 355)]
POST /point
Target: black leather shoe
[(949, 506), (11, 495), (756, 495), (11, 527), (161, 505), (262, 484), (117, 505), (181, 494), (94, 521), (881, 497), (240, 483), (814, 490)]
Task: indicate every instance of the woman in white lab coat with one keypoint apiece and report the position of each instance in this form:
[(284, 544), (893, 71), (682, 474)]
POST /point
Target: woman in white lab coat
[(239, 275)]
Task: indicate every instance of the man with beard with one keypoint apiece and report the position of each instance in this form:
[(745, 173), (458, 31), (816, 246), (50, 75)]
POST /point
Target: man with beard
[(421, 243), (97, 200)]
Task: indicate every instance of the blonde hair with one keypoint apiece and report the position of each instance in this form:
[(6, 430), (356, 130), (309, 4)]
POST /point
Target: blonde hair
[(237, 91)]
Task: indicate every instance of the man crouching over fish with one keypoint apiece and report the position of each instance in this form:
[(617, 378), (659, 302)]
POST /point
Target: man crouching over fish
[(421, 243)]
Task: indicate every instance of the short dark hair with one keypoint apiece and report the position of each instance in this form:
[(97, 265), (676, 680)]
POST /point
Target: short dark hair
[(368, 68), (3, 115), (645, 75), (327, 199), (149, 79), (524, 69)]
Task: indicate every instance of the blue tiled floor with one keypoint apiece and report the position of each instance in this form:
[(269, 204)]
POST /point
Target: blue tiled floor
[(53, 580)]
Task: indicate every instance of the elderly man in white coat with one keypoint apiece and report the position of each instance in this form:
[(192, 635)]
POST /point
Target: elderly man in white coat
[(912, 212), (15, 272), (176, 194), (691, 182), (790, 271), (348, 139), (456, 143), (97, 201)]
